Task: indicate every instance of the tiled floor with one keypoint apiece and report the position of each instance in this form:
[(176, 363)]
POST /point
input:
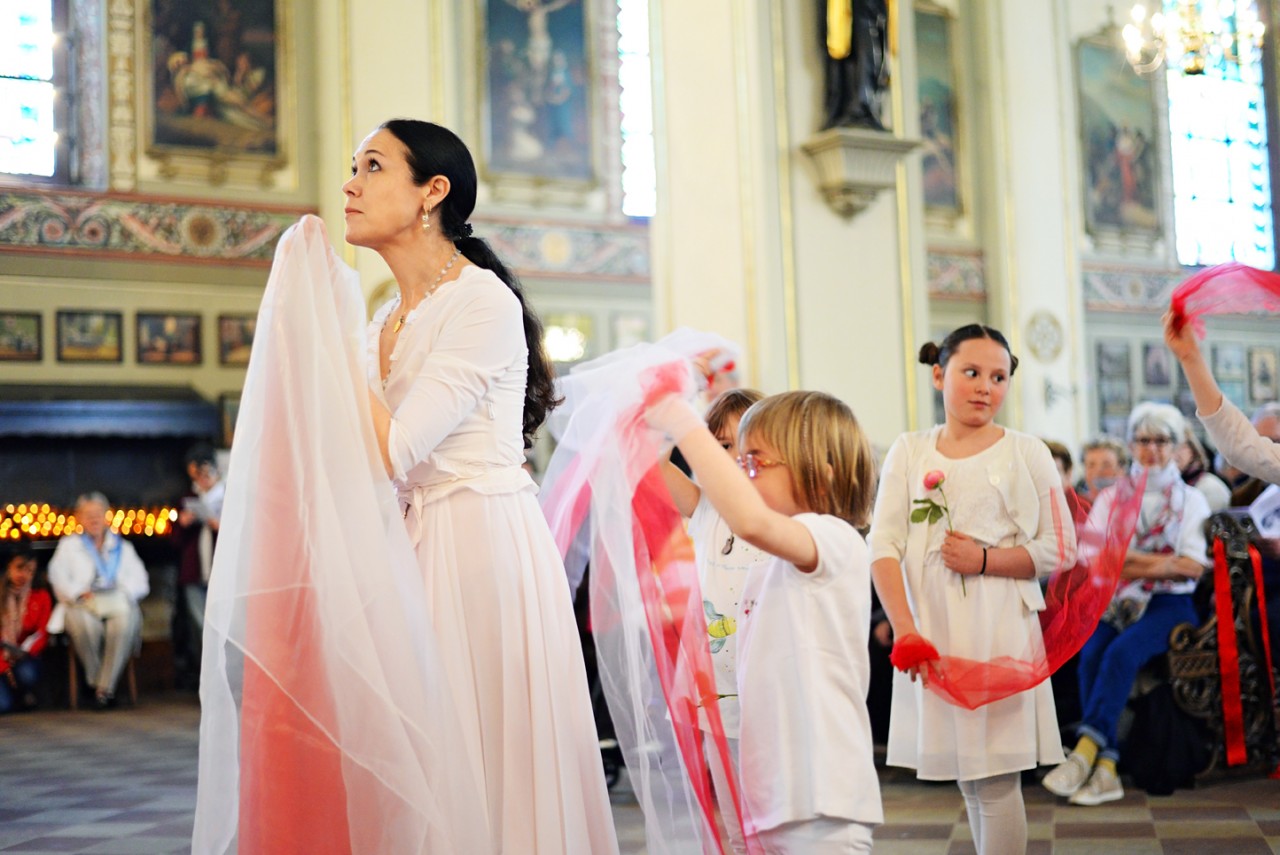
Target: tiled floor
[(123, 783)]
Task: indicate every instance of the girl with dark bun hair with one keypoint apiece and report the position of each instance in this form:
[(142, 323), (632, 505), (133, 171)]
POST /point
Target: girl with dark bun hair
[(964, 578), (462, 385)]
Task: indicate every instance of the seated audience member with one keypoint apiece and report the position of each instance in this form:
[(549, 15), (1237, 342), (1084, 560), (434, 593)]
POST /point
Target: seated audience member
[(1193, 461), (1164, 561), (194, 536), (1062, 459), (99, 579), (1104, 459), (24, 612)]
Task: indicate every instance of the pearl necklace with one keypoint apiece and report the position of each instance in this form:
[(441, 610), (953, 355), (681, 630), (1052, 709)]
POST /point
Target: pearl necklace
[(430, 290)]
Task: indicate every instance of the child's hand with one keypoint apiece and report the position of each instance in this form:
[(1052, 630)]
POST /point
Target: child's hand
[(912, 654), (1180, 340), (962, 554), (674, 416)]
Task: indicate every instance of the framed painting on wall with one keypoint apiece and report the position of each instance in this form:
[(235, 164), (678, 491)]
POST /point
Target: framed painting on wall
[(20, 339), (1118, 135), (168, 339), (235, 338), (213, 78), (538, 90), (1262, 374), (938, 108), (229, 409), (89, 335)]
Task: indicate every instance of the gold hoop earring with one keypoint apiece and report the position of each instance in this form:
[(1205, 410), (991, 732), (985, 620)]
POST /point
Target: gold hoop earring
[(426, 223)]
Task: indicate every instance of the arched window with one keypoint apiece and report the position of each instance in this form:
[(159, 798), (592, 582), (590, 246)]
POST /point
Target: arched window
[(1221, 167), (35, 91), (639, 174)]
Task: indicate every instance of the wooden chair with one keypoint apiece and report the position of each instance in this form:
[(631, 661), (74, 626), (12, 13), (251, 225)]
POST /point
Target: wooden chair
[(73, 677), (1194, 669)]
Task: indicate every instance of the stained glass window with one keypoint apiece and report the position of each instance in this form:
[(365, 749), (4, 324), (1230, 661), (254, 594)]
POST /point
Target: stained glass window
[(639, 175), (1221, 169), (28, 95)]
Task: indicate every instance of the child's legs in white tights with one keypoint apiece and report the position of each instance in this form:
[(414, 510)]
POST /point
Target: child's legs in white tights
[(997, 816)]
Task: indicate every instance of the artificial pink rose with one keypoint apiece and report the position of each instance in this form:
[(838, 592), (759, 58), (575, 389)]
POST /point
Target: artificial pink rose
[(934, 479)]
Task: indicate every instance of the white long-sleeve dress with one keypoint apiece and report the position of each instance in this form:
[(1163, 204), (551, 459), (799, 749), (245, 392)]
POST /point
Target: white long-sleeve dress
[(1241, 444), (1004, 496), (495, 583)]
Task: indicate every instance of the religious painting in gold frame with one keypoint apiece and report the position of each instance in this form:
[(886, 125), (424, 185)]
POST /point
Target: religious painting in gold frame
[(214, 84), (937, 92), (538, 91), (1118, 140)]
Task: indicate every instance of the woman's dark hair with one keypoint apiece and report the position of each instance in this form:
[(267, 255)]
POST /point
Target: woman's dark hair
[(432, 151), (934, 354)]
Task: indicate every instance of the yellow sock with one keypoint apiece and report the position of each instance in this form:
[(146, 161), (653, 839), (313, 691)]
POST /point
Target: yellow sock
[(1086, 748), (1109, 763)]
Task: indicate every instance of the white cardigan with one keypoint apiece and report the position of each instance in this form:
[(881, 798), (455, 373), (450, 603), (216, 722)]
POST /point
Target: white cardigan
[(1026, 480)]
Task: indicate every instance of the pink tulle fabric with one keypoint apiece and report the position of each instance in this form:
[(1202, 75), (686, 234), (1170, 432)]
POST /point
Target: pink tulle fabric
[(1225, 289), (1075, 599), (604, 487), (326, 725)]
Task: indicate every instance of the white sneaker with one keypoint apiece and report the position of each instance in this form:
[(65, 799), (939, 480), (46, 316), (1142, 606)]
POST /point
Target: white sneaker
[(1066, 778), (1103, 786)]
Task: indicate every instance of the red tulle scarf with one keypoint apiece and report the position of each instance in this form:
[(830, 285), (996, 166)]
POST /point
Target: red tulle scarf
[(659, 557), (1075, 599), (1225, 289)]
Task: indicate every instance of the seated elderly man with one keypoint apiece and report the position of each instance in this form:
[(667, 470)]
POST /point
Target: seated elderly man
[(98, 578)]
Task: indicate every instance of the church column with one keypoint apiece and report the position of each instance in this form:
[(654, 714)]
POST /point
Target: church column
[(1032, 192), (744, 242)]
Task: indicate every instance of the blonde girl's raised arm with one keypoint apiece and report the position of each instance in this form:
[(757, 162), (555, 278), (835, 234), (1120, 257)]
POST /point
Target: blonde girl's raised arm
[(730, 491)]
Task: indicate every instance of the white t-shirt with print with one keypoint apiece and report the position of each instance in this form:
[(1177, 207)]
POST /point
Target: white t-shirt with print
[(723, 562), (803, 673)]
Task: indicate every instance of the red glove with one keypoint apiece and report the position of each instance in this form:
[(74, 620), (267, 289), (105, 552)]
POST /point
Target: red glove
[(910, 651)]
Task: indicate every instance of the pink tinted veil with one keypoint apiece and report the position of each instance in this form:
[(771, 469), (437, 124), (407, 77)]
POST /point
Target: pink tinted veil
[(326, 721)]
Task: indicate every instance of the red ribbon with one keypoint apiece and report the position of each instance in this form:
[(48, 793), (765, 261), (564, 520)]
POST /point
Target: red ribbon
[(1228, 659)]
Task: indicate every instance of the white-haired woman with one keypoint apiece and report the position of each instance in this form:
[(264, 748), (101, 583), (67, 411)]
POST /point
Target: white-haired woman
[(1164, 561)]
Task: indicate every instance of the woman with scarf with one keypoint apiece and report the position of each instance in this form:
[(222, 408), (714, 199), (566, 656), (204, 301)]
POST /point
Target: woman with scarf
[(24, 611), (99, 579), (1164, 561)]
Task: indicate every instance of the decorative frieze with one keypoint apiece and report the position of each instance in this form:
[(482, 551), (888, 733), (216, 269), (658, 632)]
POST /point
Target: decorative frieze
[(1129, 289), (570, 251), (955, 275), (120, 226)]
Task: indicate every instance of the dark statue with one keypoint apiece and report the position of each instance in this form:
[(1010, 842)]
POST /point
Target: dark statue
[(855, 51)]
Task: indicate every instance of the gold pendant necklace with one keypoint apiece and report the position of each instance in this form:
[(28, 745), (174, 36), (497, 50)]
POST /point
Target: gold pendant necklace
[(431, 290)]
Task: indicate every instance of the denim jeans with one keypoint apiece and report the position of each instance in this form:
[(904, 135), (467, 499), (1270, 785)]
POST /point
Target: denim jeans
[(1110, 661)]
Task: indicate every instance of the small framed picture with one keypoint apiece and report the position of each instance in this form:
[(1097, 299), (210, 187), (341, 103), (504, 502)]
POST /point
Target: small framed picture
[(235, 338), (1157, 365), (1234, 391), (89, 336), (1113, 359), (1115, 396), (229, 408), (20, 337), (168, 339), (1228, 361), (1262, 374), (630, 328)]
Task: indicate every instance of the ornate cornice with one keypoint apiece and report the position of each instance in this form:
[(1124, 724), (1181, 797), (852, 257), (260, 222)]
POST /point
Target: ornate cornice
[(129, 227)]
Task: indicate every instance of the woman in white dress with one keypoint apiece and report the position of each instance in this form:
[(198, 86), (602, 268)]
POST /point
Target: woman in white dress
[(462, 384), (967, 583)]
